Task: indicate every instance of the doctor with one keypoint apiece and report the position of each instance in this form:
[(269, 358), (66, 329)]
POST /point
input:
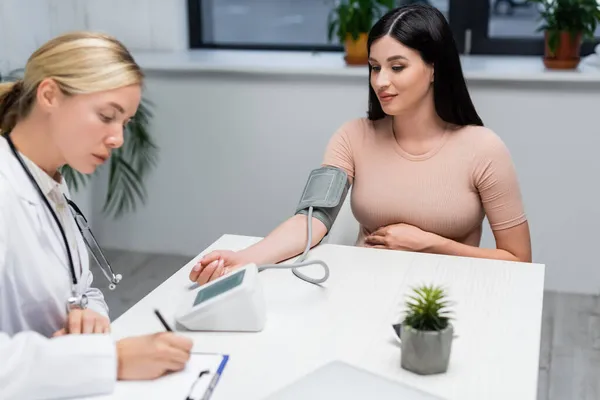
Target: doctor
[(78, 92)]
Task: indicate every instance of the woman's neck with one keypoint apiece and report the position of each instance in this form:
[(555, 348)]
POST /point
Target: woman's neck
[(419, 124), (419, 130), (34, 142)]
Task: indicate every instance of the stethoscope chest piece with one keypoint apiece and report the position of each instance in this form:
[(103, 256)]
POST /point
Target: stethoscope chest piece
[(77, 302), (115, 280)]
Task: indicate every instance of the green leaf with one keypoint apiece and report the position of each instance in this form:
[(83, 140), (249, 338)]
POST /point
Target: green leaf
[(125, 188), (575, 16), (427, 308), (353, 17), (332, 24), (553, 38), (75, 180)]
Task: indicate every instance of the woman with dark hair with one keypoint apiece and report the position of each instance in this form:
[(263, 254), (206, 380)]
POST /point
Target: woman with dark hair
[(424, 170)]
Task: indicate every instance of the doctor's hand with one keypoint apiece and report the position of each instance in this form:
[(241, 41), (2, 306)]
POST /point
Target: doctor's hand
[(215, 265), (401, 237), (84, 321), (151, 356)]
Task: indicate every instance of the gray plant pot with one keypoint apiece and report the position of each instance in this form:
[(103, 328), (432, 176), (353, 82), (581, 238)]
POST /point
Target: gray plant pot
[(426, 352)]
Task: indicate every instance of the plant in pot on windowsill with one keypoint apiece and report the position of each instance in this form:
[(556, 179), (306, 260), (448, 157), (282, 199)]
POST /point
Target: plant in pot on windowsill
[(566, 24), (350, 21), (426, 333), (128, 165)]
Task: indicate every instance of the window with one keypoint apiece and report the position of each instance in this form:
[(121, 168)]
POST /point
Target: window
[(266, 24), (509, 27), (480, 26)]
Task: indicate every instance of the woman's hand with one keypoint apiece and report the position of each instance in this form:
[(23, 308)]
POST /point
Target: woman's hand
[(401, 237), (84, 321), (151, 356), (215, 265)]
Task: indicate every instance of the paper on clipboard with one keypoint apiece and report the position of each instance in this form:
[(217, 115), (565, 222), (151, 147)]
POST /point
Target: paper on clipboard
[(176, 385)]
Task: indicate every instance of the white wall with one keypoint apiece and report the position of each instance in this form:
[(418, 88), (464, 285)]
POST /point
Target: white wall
[(236, 150), (139, 24)]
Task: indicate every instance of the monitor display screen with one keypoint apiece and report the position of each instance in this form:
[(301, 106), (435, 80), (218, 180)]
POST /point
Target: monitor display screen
[(223, 286)]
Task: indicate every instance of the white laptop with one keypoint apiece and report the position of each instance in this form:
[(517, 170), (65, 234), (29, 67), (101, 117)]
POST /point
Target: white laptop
[(340, 381)]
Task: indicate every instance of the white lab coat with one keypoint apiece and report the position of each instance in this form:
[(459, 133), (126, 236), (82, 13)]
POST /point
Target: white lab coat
[(34, 285)]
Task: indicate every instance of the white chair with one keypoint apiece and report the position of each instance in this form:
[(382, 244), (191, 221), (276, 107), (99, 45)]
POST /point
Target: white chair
[(345, 228)]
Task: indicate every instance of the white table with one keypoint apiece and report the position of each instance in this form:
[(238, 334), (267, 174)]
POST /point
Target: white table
[(498, 310)]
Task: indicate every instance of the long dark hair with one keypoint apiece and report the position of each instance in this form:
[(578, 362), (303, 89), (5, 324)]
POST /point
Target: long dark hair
[(425, 29)]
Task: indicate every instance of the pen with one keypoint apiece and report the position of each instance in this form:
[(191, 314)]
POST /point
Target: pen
[(162, 321)]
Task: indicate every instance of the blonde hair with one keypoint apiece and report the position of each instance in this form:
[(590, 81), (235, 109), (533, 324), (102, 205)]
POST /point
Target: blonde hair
[(79, 62)]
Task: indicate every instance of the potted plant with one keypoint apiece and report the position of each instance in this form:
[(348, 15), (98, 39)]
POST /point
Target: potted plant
[(350, 21), (567, 23), (128, 165), (426, 333)]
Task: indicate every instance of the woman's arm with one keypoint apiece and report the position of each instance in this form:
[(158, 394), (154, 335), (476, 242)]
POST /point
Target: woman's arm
[(284, 242), (495, 178), (289, 238), (512, 244)]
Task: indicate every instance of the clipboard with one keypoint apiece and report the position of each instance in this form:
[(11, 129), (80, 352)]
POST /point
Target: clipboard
[(197, 381), (208, 377)]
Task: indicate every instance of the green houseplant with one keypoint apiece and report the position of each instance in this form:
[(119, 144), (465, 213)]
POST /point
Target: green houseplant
[(128, 166), (566, 24), (427, 332), (350, 21)]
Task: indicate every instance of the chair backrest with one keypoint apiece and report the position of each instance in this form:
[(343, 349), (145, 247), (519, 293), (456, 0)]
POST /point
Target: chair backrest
[(345, 228)]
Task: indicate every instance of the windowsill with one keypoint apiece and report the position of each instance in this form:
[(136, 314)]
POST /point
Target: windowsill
[(475, 67)]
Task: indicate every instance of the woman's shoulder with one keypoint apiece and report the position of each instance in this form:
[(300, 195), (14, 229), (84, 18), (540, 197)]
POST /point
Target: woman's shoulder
[(480, 139), (357, 128), (484, 147)]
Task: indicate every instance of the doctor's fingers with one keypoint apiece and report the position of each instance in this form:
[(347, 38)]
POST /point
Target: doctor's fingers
[(173, 366), (61, 332), (173, 357), (74, 319), (102, 326), (92, 322), (89, 322), (177, 356), (178, 341)]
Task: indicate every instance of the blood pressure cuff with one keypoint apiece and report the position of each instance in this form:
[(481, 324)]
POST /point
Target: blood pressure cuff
[(325, 191)]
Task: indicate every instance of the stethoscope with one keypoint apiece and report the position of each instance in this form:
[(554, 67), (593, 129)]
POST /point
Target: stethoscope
[(77, 300)]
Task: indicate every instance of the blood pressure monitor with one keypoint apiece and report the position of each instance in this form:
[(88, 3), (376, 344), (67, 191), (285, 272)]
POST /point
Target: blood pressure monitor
[(234, 302)]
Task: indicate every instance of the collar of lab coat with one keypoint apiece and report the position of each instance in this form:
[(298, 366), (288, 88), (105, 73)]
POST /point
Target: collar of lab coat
[(15, 175), (44, 181)]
